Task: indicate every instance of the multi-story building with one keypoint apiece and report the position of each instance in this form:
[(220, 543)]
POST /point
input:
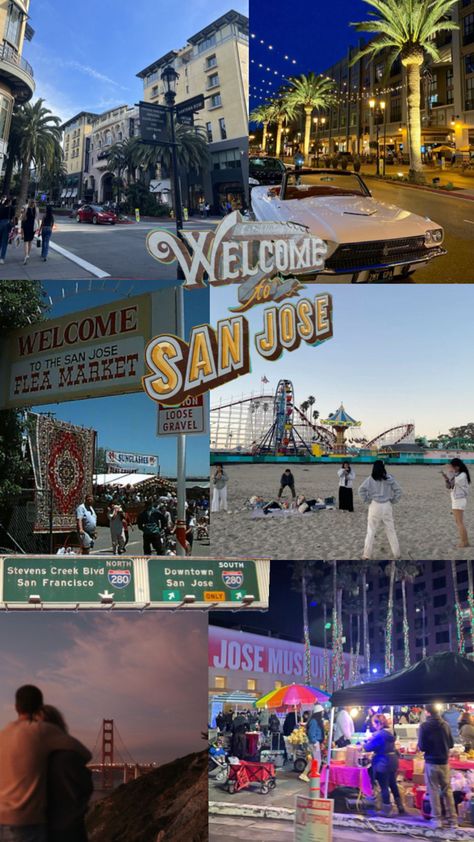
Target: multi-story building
[(114, 126), (76, 133), (16, 75), (447, 92), (214, 62)]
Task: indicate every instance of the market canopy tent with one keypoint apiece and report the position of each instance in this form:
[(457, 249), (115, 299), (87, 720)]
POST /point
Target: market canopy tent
[(446, 677)]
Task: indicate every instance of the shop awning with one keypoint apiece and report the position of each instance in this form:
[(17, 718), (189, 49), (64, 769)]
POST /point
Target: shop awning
[(63, 194), (74, 193), (237, 697), (445, 677)]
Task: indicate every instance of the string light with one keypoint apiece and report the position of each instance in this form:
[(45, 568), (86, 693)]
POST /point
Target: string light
[(460, 630)]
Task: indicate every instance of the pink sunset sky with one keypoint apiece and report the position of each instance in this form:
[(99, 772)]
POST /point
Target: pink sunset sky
[(148, 672)]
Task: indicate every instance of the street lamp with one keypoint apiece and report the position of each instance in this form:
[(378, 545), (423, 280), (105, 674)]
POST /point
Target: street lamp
[(169, 78), (379, 108)]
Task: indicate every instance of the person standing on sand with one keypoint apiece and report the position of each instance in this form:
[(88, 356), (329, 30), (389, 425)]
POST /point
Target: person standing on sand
[(287, 481), (380, 491), (346, 476), (219, 494), (458, 484)]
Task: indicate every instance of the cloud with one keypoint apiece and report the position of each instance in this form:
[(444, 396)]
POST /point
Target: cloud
[(148, 672), (92, 72)]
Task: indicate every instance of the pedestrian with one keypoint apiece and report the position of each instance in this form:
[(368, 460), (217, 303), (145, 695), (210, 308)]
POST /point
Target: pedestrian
[(315, 734), (7, 215), (287, 481), (86, 524), (26, 746), (152, 523), (435, 740), (190, 527), (343, 728), (69, 788), (46, 231), (207, 209), (29, 225), (466, 731), (380, 491), (201, 207), (115, 515), (385, 763), (228, 207), (219, 495), (346, 476), (458, 484), (274, 728)]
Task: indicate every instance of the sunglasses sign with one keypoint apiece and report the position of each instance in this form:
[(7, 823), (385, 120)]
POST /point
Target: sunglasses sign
[(265, 261)]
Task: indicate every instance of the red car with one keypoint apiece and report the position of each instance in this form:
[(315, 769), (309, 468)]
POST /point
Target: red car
[(96, 214)]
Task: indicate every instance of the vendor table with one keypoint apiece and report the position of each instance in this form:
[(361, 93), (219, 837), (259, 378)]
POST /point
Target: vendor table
[(405, 765), (355, 776)]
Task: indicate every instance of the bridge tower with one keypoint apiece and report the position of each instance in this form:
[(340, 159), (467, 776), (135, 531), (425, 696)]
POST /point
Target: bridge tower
[(107, 754)]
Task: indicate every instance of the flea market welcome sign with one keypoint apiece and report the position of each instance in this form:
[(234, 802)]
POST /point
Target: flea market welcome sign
[(265, 259)]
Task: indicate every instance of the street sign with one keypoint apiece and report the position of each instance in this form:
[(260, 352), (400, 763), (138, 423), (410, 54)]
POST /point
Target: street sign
[(68, 579), (313, 819), (221, 581), (185, 119), (153, 123), (189, 106), (189, 418), (71, 582)]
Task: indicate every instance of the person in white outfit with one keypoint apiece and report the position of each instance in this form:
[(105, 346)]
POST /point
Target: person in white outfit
[(346, 476), (458, 484), (343, 728), (219, 494), (380, 491)]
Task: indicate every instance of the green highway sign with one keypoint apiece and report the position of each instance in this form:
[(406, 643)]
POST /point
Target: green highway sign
[(69, 582), (211, 581), (77, 579)]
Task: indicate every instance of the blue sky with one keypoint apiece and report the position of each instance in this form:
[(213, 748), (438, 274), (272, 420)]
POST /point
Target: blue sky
[(399, 354), (128, 422), (86, 55)]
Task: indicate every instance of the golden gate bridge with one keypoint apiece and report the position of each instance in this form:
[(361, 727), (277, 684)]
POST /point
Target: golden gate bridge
[(111, 758)]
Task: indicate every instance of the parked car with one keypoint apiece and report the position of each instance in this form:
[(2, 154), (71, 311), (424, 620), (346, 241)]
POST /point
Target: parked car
[(265, 170), (367, 240), (96, 214)]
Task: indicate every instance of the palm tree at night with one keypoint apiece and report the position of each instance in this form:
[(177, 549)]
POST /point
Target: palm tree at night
[(407, 29), (389, 658), (310, 92), (406, 571), (302, 581), (282, 112), (263, 115), (458, 610), (37, 135)]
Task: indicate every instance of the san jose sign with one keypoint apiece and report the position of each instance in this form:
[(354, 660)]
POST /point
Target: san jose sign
[(71, 582)]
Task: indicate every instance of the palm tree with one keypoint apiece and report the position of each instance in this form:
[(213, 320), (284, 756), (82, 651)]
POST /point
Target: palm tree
[(458, 610), (263, 115), (389, 660), (406, 571), (470, 598), (282, 112), (310, 92), (420, 608), (304, 406), (191, 146), (37, 134), (302, 581), (406, 29)]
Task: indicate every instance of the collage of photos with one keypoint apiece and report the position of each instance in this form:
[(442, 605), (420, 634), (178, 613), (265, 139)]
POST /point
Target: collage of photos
[(236, 421)]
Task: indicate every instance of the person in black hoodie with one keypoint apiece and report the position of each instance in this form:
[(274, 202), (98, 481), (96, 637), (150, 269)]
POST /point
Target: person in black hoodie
[(435, 740), (385, 763), (287, 481)]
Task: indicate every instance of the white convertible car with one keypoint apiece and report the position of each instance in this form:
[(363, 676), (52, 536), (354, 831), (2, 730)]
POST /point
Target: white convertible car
[(367, 240)]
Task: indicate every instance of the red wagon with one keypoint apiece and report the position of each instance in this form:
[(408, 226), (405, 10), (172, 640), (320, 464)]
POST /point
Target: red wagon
[(244, 773)]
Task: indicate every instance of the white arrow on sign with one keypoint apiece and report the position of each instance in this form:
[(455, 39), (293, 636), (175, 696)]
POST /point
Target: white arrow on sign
[(106, 595)]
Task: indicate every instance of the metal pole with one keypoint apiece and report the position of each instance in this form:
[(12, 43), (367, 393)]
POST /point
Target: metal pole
[(330, 735), (384, 138), (51, 521), (378, 148)]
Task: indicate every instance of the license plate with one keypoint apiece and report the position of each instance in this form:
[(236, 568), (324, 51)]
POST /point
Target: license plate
[(383, 275)]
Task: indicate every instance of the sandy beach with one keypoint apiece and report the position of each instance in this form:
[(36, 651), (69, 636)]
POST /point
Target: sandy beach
[(423, 519)]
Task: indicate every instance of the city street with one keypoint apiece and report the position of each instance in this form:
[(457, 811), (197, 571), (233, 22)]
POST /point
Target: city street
[(83, 251)]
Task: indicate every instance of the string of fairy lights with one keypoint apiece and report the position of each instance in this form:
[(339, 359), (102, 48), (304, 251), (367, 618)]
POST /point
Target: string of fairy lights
[(267, 84)]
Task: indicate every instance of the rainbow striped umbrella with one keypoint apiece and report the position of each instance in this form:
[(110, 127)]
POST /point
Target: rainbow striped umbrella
[(292, 696)]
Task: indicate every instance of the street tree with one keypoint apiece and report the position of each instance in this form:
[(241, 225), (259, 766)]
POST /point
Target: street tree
[(309, 92), (263, 115), (282, 112), (302, 580), (37, 135), (20, 304), (407, 29), (406, 571)]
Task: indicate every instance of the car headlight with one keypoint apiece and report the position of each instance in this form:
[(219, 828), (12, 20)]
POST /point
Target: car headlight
[(254, 182), (434, 237)]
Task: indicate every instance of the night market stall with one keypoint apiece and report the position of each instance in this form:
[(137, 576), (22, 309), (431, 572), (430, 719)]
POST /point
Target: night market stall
[(446, 678)]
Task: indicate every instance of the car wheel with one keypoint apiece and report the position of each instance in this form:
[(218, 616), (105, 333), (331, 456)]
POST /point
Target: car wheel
[(78, 218), (112, 223), (95, 220)]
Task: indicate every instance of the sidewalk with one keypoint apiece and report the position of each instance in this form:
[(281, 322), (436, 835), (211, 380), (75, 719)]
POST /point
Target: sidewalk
[(57, 267), (464, 183)]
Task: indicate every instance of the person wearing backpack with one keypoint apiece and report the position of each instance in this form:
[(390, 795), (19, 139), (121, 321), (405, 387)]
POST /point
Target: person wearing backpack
[(152, 523)]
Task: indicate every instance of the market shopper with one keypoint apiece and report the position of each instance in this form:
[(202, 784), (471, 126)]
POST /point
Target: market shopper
[(343, 728), (287, 481), (458, 484), (346, 476), (152, 523), (380, 491), (219, 495), (466, 731), (385, 763), (117, 535), (86, 524), (435, 740), (315, 734)]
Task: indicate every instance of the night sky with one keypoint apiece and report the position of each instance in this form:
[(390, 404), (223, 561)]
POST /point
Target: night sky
[(315, 35)]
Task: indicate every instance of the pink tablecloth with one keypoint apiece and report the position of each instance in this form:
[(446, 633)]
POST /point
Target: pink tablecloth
[(348, 776), (405, 765)]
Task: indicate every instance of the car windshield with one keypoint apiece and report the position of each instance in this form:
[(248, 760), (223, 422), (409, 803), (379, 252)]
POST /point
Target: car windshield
[(266, 164), (307, 185), (100, 208)]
